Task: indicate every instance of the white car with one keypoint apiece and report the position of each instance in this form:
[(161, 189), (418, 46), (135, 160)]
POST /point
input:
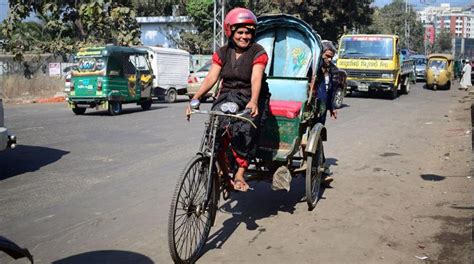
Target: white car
[(6, 140)]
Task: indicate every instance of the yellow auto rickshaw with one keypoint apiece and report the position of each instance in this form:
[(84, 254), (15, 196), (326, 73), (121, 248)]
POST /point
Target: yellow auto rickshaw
[(439, 71)]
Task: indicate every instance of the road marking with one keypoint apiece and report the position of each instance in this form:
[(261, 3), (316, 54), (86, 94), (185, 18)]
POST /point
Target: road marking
[(43, 218)]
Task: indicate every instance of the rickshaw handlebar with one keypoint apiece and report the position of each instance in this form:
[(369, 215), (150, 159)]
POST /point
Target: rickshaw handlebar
[(238, 115)]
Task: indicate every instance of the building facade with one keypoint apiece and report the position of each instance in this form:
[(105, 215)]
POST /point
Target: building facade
[(459, 21)]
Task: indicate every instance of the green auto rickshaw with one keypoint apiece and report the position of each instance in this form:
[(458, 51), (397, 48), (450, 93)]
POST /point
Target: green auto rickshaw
[(439, 71), (107, 77)]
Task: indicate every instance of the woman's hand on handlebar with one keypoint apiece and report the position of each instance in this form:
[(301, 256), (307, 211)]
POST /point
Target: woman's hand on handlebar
[(253, 107)]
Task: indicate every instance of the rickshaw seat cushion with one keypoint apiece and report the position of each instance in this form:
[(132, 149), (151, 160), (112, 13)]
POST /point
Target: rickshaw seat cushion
[(288, 109)]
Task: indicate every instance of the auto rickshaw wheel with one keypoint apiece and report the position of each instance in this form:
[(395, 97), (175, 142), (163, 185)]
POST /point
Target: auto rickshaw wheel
[(448, 86), (79, 110), (146, 105), (171, 95), (115, 108), (314, 171), (191, 213)]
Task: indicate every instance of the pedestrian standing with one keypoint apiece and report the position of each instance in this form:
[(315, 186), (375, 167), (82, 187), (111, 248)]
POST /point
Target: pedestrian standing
[(466, 75)]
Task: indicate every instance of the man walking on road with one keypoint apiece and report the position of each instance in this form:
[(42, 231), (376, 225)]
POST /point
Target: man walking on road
[(325, 93), (466, 75)]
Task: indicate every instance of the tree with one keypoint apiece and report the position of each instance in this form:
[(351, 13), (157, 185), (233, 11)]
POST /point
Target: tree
[(443, 42), (70, 24), (329, 18), (158, 7), (391, 19)]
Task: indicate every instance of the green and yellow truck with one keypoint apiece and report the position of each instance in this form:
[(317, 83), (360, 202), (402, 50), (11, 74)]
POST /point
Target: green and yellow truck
[(374, 62), (108, 76)]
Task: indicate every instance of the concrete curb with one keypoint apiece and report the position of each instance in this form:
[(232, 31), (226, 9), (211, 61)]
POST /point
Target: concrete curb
[(57, 98)]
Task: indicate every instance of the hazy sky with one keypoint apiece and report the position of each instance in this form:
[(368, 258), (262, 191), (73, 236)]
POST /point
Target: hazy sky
[(418, 3)]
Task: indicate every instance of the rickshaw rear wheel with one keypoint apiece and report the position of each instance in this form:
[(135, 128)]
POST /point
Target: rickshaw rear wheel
[(115, 108), (314, 171), (191, 215)]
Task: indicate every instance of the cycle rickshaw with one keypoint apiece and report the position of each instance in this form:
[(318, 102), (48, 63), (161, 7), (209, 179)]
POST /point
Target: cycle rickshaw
[(290, 141)]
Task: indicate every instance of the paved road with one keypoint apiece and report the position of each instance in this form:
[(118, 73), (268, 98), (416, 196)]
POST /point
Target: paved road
[(95, 188)]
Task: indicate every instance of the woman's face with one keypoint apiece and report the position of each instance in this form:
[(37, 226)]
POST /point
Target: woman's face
[(242, 37)]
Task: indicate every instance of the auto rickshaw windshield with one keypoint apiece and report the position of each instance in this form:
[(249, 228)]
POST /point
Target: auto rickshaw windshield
[(371, 47), (437, 64)]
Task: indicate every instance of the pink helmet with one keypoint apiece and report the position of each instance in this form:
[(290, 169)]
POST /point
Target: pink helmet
[(239, 16)]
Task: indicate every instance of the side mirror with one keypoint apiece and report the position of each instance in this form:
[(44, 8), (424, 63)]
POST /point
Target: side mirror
[(153, 76)]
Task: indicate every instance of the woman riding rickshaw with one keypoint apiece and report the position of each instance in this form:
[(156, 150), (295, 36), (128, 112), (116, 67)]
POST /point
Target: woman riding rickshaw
[(290, 137), (241, 64), (439, 71)]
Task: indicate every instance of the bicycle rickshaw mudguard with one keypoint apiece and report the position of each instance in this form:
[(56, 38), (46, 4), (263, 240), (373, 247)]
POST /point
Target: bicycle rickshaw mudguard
[(294, 50)]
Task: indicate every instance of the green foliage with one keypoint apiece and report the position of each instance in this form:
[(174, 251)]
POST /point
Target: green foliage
[(443, 43), (391, 19), (332, 18), (69, 25), (328, 18), (157, 7)]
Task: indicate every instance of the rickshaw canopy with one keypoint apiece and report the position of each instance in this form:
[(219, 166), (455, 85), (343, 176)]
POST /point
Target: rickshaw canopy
[(298, 46), (447, 57)]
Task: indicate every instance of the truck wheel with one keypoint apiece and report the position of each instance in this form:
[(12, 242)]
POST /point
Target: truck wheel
[(79, 110), (406, 88), (394, 92), (146, 105), (171, 95), (339, 97), (115, 108)]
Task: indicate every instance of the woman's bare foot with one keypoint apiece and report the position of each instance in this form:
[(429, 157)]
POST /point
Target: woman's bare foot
[(239, 182)]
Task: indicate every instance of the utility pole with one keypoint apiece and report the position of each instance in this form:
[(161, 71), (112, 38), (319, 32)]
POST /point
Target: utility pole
[(407, 26), (219, 14)]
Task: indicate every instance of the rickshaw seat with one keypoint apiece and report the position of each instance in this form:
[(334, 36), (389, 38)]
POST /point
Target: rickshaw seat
[(288, 109), (287, 96)]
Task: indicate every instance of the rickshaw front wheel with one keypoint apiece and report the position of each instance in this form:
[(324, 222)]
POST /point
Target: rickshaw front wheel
[(191, 213), (314, 171)]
